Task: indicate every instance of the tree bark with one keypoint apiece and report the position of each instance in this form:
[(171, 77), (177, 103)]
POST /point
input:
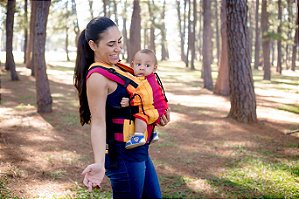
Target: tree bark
[(188, 34), (257, 37), (90, 4), (222, 83), (207, 72), (278, 67), (43, 94), (115, 11), (181, 31), (217, 32), (25, 29), (67, 32), (75, 22), (152, 44), (124, 31), (29, 51), (200, 32), (135, 28), (243, 100), (10, 62), (265, 41), (105, 5), (296, 41), (164, 49), (192, 45)]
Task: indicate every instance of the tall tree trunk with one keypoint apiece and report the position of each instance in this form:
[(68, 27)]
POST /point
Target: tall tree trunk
[(29, 50), (266, 41), (243, 101), (67, 43), (76, 21), (192, 46), (124, 31), (25, 29), (10, 62), (257, 37), (67, 33), (296, 40), (278, 67), (200, 32), (222, 83), (272, 51), (152, 44), (217, 32), (188, 34), (105, 5), (152, 39), (115, 11), (181, 31), (90, 3), (251, 29), (289, 32), (43, 94), (207, 72), (164, 48), (184, 28), (135, 28)]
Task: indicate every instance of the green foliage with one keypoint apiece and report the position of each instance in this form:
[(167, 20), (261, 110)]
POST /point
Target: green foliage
[(287, 22)]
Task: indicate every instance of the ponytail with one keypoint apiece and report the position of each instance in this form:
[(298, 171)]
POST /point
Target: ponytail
[(85, 57)]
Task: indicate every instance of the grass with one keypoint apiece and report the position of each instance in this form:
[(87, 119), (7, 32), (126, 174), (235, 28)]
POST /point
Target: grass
[(257, 178), (174, 187), (82, 193), (5, 193)]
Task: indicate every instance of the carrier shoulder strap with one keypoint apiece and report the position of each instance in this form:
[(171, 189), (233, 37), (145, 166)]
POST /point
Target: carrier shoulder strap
[(117, 75), (160, 83)]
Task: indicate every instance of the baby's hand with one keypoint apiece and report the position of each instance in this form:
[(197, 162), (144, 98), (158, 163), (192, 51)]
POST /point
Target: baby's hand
[(124, 102)]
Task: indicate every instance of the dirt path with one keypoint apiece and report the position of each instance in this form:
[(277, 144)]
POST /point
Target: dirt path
[(42, 155)]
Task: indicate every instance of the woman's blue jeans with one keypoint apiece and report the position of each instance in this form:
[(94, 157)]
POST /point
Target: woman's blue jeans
[(133, 179)]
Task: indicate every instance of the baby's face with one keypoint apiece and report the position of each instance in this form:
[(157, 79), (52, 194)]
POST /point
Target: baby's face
[(143, 64)]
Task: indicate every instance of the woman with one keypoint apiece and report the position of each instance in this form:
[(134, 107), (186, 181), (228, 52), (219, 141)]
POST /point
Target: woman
[(131, 172)]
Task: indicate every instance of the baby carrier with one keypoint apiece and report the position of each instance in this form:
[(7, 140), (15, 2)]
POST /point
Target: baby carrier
[(120, 121)]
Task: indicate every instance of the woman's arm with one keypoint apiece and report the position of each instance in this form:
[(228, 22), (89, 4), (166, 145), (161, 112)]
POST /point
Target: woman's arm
[(97, 91)]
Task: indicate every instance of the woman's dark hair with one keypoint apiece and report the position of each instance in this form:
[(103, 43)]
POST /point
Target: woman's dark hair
[(85, 57)]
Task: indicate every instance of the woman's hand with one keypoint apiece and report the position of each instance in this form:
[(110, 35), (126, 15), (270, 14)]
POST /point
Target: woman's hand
[(93, 175), (164, 119)]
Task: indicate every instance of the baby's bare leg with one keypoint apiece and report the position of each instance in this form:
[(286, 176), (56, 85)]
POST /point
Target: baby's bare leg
[(140, 125)]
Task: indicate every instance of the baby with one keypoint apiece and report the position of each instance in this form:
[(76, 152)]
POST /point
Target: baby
[(152, 102)]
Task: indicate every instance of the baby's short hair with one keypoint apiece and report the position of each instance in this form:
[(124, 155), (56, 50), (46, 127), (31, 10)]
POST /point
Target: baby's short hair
[(149, 52)]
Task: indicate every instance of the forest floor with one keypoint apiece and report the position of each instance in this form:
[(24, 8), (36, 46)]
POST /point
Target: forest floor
[(200, 154)]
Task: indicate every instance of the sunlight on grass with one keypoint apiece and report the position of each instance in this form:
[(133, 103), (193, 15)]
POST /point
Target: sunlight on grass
[(23, 107), (258, 178), (174, 187), (289, 108)]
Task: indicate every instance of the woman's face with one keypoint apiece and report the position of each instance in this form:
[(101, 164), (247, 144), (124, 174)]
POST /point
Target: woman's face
[(109, 46)]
